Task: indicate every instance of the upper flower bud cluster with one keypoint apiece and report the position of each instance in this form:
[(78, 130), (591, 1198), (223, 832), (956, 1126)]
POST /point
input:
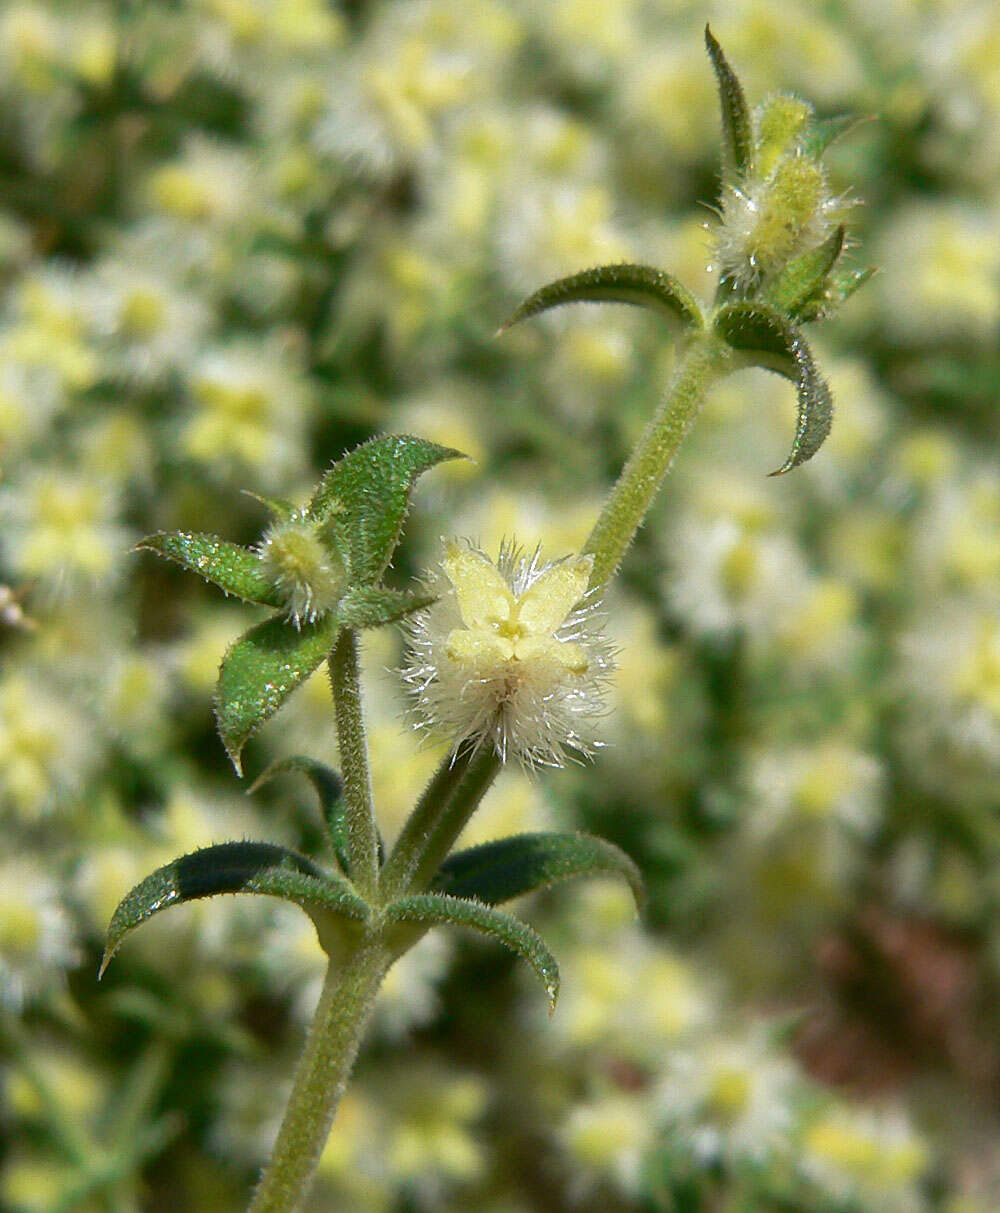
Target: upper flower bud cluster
[(779, 206), (308, 574)]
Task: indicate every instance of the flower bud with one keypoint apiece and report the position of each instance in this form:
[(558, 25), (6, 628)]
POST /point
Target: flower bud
[(308, 574)]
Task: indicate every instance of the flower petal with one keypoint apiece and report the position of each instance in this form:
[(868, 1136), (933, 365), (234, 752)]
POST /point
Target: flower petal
[(547, 602), (483, 596), (569, 657), (478, 647)]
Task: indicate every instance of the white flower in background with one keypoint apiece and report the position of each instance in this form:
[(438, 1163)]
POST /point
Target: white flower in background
[(606, 1139), (511, 656), (730, 1098), (37, 942), (866, 1155)]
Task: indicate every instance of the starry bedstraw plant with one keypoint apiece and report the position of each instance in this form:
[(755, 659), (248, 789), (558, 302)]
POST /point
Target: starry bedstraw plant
[(507, 659)]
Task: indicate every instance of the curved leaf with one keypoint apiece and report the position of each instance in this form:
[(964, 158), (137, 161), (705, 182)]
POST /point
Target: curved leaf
[(804, 279), (232, 867), (234, 569), (373, 606), (329, 788), (364, 498), (437, 909), (641, 285), (261, 669), (737, 128), (771, 340), (498, 871)]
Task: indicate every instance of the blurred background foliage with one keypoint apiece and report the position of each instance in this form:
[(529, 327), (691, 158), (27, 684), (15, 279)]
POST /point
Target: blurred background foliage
[(239, 236)]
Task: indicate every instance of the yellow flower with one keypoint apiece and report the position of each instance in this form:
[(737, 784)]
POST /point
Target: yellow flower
[(511, 655)]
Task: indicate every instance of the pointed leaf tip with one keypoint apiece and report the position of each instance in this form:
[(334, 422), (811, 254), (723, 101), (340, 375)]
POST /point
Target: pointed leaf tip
[(769, 339), (437, 909), (737, 128)]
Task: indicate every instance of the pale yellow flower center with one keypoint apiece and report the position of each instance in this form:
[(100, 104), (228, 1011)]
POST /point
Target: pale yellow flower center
[(501, 628)]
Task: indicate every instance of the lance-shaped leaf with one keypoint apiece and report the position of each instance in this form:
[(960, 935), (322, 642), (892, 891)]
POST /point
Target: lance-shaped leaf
[(509, 867), (437, 909), (364, 497), (372, 606), (768, 339), (804, 279), (233, 867), (235, 569), (640, 285), (737, 128), (329, 788), (260, 671)]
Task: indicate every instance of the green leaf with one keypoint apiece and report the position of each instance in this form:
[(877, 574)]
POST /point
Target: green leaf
[(804, 278), (329, 788), (260, 671), (737, 128), (822, 132), (771, 340), (641, 285), (233, 867), (498, 871), (436, 909), (364, 498), (371, 606), (234, 569)]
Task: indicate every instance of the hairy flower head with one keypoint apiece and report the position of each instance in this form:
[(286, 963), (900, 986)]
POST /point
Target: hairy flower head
[(306, 572), (511, 655)]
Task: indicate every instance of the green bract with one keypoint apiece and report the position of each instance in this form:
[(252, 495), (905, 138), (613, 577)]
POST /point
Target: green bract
[(349, 531)]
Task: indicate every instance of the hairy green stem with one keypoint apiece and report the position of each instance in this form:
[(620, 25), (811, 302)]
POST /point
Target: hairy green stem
[(362, 833), (454, 815), (405, 856), (331, 1047), (642, 475)]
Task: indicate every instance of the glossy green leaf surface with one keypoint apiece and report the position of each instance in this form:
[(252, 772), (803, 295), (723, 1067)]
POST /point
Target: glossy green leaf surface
[(639, 285), (510, 867), (261, 669), (737, 127), (437, 909), (234, 569), (373, 606), (329, 789), (232, 867), (804, 279), (364, 498), (771, 340)]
